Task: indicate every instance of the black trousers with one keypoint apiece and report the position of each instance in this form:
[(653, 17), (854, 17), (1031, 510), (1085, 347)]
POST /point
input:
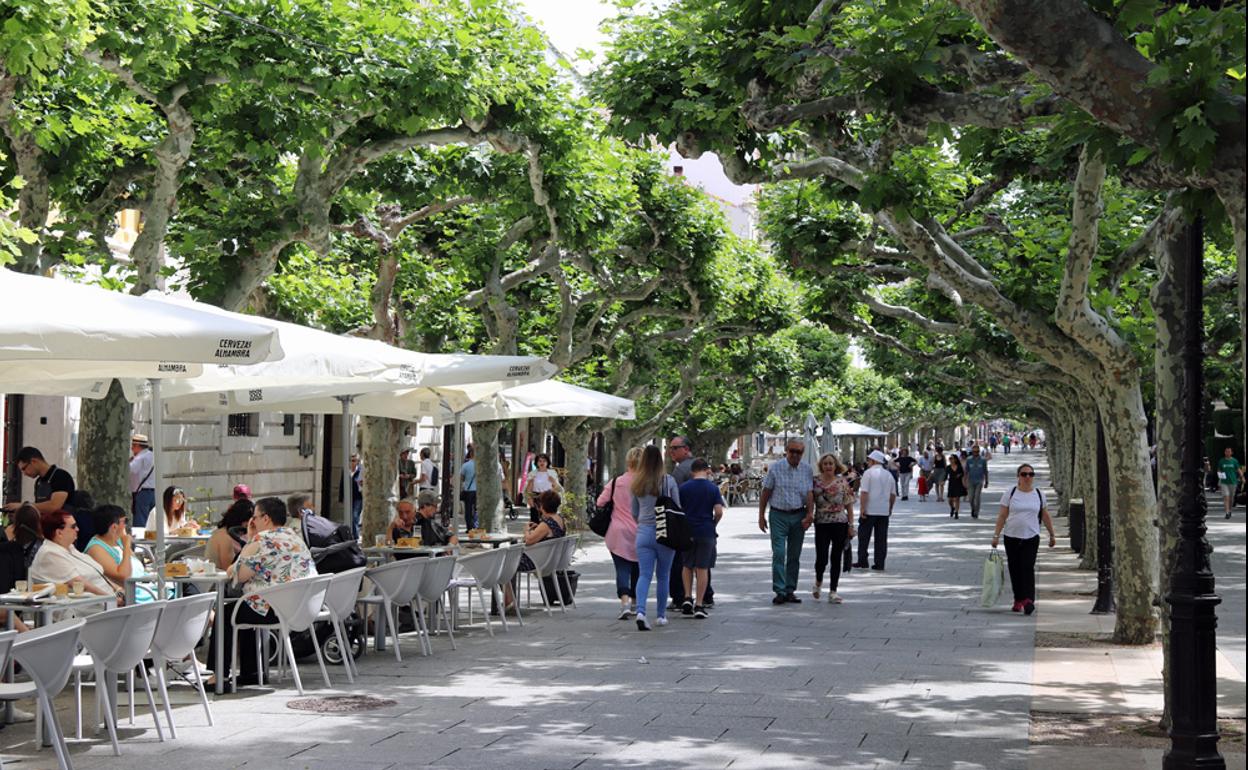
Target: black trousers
[(878, 526), (248, 665), (829, 536), (1020, 558)]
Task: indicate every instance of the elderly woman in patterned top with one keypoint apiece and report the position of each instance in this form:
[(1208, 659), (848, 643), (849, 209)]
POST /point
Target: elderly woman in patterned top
[(834, 516), (274, 554)]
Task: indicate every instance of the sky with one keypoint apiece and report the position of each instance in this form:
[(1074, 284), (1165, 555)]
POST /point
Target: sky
[(572, 25)]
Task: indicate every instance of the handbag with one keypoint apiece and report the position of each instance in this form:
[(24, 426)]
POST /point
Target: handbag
[(671, 527), (600, 522), (847, 556), (994, 578)]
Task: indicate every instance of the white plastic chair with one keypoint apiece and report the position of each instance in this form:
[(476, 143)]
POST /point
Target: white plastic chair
[(545, 557), (181, 626), (47, 655), (435, 582), (117, 641), (340, 598), (511, 565), (482, 571), (296, 605), (12, 691), (396, 584)]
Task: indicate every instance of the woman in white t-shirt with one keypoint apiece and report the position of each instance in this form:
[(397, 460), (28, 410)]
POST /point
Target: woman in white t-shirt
[(543, 479), (1022, 511)]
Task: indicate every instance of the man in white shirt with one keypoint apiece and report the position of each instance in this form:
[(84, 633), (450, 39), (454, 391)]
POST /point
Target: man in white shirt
[(142, 479), (876, 494), (425, 480)]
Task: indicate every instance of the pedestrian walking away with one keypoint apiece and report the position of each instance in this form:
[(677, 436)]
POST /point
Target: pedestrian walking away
[(976, 479), (621, 537), (905, 471), (834, 516), (704, 507), (876, 496), (680, 453), (789, 489), (1230, 476), (653, 558), (956, 476), (1023, 510)]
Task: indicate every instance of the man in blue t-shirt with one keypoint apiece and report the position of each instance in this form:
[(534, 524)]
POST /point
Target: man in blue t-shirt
[(704, 507)]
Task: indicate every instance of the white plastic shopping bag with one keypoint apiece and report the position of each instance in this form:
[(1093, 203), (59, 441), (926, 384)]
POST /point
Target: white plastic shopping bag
[(994, 578)]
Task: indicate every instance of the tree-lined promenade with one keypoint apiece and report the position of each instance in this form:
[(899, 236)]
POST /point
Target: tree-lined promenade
[(993, 198)]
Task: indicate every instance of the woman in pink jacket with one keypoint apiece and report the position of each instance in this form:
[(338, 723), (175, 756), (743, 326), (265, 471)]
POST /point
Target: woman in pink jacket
[(622, 534)]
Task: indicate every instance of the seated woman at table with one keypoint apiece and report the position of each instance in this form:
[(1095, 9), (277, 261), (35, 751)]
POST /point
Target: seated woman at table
[(22, 539), (229, 537), (550, 525), (175, 509), (274, 554), (59, 561)]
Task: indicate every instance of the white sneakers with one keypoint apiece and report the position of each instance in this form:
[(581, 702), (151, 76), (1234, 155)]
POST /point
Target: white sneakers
[(662, 621), (834, 598), (642, 623)]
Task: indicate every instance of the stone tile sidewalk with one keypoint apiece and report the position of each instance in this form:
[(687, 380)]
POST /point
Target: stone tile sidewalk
[(909, 672)]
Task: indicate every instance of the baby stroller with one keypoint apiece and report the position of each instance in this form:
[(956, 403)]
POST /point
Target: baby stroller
[(334, 550)]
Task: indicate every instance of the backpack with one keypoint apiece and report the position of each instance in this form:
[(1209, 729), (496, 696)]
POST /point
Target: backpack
[(433, 477), (1039, 516)]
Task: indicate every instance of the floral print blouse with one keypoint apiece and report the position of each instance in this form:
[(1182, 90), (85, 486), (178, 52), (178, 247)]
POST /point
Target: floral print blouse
[(831, 499), (282, 557)]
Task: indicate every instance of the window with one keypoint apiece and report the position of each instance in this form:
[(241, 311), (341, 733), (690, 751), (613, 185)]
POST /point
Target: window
[(288, 424), (243, 424)]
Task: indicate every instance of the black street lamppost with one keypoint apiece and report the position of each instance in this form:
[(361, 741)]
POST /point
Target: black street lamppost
[(1104, 532), (1193, 692)]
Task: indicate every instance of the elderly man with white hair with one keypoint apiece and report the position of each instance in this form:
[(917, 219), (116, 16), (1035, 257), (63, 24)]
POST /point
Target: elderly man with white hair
[(876, 494)]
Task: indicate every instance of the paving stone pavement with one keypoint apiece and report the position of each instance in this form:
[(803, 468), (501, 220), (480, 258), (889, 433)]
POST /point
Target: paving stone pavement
[(909, 672)]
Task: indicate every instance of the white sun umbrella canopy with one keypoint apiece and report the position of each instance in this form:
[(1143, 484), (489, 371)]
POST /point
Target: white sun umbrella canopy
[(827, 440), (62, 338), (551, 398)]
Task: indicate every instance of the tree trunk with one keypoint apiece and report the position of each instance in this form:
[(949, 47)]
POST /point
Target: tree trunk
[(576, 450), (1085, 478), (379, 451), (489, 479), (104, 427), (617, 441), (1134, 507), (1167, 297)]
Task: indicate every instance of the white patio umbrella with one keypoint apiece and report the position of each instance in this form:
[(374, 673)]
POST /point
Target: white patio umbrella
[(326, 373), (827, 441), (810, 436), (850, 428), (551, 398), (63, 338)]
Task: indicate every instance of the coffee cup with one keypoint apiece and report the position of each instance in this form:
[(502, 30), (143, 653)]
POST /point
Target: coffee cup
[(20, 586), (77, 588)]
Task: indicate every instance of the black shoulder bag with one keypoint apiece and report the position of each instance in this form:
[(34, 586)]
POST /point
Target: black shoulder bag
[(600, 522), (671, 526)]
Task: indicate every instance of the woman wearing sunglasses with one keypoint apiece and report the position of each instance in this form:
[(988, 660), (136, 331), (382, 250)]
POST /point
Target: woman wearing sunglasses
[(1022, 511)]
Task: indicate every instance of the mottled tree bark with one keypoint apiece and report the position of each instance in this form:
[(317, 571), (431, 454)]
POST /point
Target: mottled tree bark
[(489, 477), (104, 427), (379, 439), (574, 436)]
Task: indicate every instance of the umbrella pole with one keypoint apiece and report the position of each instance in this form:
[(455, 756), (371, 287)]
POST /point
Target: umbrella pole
[(456, 480), (158, 419), (346, 461)]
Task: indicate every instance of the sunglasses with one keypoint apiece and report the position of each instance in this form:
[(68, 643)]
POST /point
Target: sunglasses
[(1028, 474)]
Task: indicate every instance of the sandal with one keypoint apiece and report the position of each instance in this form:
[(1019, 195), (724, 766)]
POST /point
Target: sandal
[(815, 591)]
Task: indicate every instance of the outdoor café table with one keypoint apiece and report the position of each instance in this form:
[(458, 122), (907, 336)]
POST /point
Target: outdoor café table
[(493, 540), (382, 553), (42, 610), (218, 579)]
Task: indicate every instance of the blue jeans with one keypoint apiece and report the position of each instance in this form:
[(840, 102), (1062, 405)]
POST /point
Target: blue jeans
[(787, 537), (626, 574), (357, 507), (141, 505), (654, 561)]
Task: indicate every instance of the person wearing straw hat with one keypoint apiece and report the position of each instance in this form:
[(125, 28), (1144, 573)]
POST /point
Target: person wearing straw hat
[(142, 479)]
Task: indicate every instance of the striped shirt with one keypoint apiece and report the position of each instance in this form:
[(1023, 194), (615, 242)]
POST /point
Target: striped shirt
[(789, 485)]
